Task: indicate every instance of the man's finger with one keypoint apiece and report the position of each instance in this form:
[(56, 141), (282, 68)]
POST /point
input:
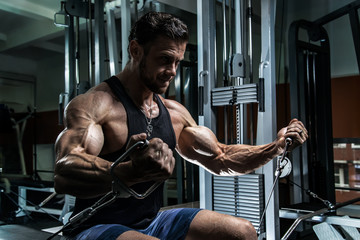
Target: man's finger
[(135, 138)]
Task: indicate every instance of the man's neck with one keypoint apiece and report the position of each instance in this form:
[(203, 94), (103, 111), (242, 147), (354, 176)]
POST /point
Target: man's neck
[(137, 91)]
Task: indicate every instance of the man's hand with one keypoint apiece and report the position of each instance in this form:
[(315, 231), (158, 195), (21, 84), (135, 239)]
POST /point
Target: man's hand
[(296, 131), (156, 162)]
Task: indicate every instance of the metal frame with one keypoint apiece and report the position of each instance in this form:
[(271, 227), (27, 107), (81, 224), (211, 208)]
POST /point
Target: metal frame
[(352, 10), (211, 96), (320, 217), (185, 91), (179, 161), (99, 43), (310, 90), (266, 128), (112, 42), (124, 12), (71, 65), (240, 47), (189, 75), (125, 29), (69, 90), (206, 29)]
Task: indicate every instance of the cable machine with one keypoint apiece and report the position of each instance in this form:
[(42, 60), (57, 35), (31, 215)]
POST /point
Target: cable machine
[(310, 90), (241, 196), (72, 12)]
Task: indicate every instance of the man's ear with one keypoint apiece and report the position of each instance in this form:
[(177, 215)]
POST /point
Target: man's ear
[(136, 50)]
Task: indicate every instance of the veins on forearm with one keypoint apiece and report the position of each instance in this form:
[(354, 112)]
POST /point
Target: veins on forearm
[(246, 158)]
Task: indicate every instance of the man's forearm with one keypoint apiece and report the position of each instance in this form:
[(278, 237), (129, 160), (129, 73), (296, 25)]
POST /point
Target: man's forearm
[(241, 159), (82, 176)]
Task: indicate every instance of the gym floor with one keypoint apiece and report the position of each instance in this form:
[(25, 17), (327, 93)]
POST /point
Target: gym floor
[(34, 226), (17, 224)]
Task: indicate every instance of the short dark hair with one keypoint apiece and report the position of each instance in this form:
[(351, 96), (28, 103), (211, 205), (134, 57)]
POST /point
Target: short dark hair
[(155, 24)]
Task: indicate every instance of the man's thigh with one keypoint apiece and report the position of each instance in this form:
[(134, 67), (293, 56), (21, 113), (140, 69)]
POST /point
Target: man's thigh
[(171, 224), (209, 225), (102, 232), (111, 232)]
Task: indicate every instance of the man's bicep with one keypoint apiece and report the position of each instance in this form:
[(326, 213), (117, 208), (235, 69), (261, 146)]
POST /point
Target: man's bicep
[(88, 140), (93, 139), (199, 144), (83, 136), (83, 131)]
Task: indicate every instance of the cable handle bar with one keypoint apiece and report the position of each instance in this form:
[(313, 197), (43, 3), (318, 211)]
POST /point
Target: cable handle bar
[(110, 197), (288, 143), (139, 145), (119, 188)]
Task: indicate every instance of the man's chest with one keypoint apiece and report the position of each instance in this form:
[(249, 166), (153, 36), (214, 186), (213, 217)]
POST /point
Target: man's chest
[(115, 132)]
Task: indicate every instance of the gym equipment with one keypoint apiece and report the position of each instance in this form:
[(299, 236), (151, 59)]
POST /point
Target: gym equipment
[(118, 187), (321, 212), (245, 193), (16, 232), (310, 91), (280, 166), (325, 216)]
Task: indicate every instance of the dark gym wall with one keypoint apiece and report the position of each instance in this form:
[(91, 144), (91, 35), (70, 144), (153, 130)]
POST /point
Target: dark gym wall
[(346, 106)]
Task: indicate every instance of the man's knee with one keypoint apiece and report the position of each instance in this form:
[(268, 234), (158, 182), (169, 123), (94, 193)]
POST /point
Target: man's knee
[(239, 228), (245, 228), (131, 235), (211, 225)]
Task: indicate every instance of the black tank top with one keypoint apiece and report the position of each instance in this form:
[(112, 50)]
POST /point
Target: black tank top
[(131, 212)]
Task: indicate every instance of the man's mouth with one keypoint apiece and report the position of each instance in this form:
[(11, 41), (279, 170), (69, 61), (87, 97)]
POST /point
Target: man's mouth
[(165, 80)]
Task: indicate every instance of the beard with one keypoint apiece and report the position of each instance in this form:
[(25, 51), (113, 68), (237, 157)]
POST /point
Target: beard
[(148, 81)]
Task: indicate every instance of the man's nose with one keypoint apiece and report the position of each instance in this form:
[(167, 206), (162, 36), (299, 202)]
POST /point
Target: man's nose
[(171, 69)]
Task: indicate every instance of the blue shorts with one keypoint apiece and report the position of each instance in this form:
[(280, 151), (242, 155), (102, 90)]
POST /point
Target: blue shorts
[(171, 224)]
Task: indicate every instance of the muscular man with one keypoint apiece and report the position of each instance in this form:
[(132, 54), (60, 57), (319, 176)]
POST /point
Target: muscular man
[(102, 123)]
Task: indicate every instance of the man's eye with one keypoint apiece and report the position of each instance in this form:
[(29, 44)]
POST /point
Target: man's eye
[(165, 59)]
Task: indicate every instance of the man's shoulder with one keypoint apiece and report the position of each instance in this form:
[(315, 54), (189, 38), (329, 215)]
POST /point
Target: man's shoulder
[(98, 98), (100, 92), (179, 112), (170, 104)]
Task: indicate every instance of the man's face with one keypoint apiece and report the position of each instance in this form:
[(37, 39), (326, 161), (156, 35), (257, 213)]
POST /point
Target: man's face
[(158, 68)]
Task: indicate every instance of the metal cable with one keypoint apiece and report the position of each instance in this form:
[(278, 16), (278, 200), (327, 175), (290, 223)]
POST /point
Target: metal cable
[(34, 205)]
